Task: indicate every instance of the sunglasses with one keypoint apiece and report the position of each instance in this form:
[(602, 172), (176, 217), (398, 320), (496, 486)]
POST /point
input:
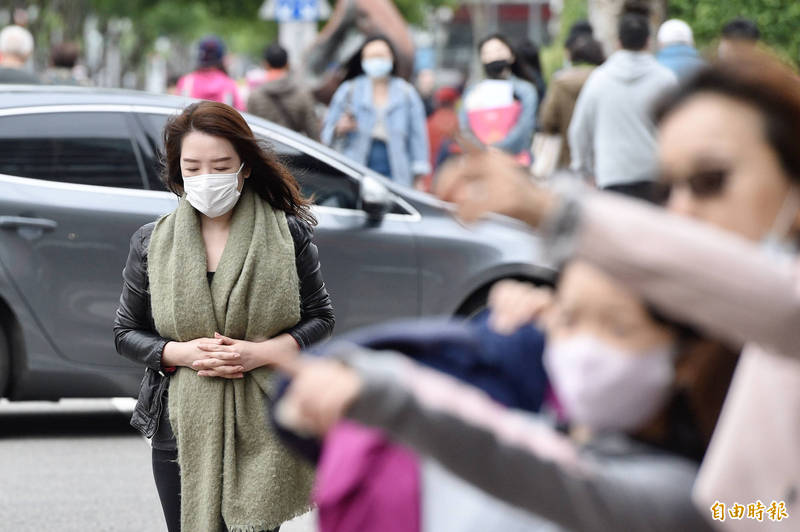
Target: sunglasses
[(702, 185)]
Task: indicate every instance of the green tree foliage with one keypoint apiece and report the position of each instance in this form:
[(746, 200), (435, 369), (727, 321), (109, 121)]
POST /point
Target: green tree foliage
[(183, 21), (778, 20), (553, 54), (414, 10), (237, 20), (187, 20)]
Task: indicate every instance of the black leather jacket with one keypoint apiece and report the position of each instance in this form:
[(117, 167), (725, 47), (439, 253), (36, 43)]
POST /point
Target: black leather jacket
[(135, 333)]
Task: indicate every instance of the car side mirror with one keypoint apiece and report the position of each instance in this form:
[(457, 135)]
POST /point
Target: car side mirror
[(376, 199)]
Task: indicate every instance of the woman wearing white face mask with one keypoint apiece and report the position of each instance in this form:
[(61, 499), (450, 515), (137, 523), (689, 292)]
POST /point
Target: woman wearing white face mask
[(378, 119), (214, 294)]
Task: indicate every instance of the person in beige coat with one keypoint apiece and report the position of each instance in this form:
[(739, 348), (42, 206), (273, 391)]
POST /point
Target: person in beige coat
[(281, 99), (584, 53)]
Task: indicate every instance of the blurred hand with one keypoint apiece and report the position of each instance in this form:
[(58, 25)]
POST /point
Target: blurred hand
[(421, 183), (346, 124), (491, 181), (319, 395), (514, 304)]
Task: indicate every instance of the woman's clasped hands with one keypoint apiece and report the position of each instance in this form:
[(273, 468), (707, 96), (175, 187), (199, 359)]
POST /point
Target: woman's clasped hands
[(226, 357)]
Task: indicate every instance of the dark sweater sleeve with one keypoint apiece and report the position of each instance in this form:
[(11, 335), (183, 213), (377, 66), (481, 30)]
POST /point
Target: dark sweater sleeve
[(316, 311), (134, 335), (494, 449)]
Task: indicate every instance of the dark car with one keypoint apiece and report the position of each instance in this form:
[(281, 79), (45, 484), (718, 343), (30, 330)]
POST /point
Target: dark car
[(79, 174)]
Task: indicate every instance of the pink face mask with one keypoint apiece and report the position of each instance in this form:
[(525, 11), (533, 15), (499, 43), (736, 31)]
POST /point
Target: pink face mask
[(607, 388)]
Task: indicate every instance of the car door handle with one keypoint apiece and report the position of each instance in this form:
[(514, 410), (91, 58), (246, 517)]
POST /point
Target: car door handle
[(17, 222)]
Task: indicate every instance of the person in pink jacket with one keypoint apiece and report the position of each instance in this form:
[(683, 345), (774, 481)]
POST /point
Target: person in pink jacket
[(210, 81)]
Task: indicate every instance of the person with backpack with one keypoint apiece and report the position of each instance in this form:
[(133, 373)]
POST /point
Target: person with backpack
[(377, 118), (281, 99), (210, 81)]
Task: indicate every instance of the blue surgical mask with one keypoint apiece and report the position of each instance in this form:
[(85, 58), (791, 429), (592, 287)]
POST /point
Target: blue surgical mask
[(377, 67)]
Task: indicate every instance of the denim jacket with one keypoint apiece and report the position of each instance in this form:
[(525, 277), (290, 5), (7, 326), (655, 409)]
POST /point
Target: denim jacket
[(407, 142), (681, 59), (520, 137)]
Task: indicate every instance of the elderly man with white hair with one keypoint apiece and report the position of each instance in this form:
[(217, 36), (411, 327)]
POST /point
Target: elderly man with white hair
[(676, 48), (16, 46)]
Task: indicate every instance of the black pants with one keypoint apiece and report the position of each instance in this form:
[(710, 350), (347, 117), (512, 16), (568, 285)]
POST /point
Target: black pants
[(167, 475)]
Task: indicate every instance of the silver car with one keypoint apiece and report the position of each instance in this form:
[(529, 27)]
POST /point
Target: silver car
[(79, 174)]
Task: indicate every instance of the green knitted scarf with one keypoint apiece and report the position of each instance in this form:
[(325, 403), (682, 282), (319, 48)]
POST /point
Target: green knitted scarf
[(235, 474)]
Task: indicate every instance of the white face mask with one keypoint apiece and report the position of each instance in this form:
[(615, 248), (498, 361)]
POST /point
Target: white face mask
[(377, 67), (605, 388), (776, 242), (213, 194)]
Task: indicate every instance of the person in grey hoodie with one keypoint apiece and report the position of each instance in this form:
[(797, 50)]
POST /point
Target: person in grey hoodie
[(281, 99), (612, 135)]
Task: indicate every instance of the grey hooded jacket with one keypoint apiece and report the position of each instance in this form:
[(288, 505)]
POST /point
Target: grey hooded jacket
[(612, 134)]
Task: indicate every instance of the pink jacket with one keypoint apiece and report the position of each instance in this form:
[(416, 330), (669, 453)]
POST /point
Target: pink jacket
[(725, 285), (211, 84), (365, 483)]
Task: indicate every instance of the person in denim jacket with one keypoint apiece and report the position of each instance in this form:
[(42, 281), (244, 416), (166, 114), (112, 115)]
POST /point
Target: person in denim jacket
[(377, 118), (500, 63)]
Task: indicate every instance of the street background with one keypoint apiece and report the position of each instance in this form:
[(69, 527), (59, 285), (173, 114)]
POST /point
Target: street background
[(141, 44), (77, 465)]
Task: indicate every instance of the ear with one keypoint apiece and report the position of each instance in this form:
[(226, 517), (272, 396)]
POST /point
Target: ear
[(245, 171)]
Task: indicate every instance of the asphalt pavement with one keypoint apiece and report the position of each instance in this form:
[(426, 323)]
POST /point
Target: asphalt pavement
[(77, 466)]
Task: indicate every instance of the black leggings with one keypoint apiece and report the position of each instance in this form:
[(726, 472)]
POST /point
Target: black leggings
[(167, 475)]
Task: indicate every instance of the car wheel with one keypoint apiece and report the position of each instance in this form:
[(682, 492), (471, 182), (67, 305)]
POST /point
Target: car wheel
[(477, 303), (5, 363)]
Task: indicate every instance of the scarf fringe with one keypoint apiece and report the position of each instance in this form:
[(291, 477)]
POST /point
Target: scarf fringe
[(263, 527)]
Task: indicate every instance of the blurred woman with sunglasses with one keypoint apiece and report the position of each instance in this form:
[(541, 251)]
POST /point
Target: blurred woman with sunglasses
[(728, 151)]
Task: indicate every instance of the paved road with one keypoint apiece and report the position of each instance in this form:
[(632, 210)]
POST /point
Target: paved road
[(78, 466)]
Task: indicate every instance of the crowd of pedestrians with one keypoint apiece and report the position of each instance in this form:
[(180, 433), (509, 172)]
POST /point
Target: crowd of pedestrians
[(16, 49)]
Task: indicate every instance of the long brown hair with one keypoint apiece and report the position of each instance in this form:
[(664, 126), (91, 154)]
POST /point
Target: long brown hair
[(268, 177), (703, 372)]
